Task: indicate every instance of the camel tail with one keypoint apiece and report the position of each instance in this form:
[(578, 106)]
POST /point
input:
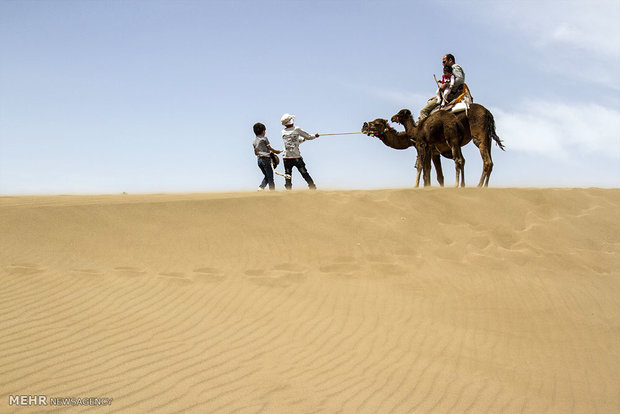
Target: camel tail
[(493, 134)]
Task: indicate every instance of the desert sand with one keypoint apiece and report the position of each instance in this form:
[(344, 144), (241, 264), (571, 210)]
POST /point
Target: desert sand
[(435, 300)]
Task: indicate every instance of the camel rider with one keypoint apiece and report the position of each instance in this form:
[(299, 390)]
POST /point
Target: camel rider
[(457, 87)]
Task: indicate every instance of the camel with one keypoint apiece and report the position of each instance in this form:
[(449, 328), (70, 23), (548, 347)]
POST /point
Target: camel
[(442, 130), (400, 141), (478, 126)]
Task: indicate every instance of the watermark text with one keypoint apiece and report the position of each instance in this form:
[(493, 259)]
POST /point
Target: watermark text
[(45, 400)]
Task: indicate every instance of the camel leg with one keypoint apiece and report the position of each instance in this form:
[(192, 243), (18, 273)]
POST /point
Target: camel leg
[(482, 137), (427, 176), (425, 161), (438, 170), (423, 164), (463, 172), (487, 163), (459, 164), (418, 167), (453, 137), (489, 169)]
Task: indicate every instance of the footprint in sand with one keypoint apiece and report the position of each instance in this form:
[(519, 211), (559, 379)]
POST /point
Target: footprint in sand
[(289, 267), (340, 268), (172, 274), (389, 268), (87, 272), (280, 275), (176, 278), (379, 264), (129, 271), (255, 272), (504, 239), (343, 270), (24, 269), (386, 264), (285, 280), (294, 277), (208, 275), (480, 242)]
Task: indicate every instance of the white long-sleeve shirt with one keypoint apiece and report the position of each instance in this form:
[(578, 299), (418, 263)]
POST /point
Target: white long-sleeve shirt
[(292, 137)]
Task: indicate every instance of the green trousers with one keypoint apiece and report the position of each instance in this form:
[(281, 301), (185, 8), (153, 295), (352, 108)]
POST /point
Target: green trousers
[(426, 111)]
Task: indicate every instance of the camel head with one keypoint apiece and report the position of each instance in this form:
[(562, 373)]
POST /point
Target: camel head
[(376, 128), (402, 116)]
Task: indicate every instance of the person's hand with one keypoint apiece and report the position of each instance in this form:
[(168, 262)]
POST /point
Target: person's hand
[(316, 135)]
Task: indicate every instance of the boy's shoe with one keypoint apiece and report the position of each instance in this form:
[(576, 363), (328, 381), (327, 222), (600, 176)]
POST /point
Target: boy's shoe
[(261, 189)]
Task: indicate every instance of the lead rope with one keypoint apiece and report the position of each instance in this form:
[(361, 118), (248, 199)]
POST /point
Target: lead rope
[(288, 177), (342, 133)]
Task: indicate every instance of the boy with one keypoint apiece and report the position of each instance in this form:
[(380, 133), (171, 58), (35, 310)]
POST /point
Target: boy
[(448, 78), (292, 137), (263, 151)]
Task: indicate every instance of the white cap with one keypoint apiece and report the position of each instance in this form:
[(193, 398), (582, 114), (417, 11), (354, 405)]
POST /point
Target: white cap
[(287, 119)]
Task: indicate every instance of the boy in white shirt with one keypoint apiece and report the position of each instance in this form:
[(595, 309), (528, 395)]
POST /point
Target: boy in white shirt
[(292, 137)]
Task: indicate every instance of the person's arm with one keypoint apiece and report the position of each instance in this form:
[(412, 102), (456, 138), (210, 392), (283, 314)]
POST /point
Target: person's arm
[(273, 149), (444, 83), (268, 144), (305, 136)]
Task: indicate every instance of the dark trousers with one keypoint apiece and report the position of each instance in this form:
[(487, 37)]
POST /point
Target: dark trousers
[(289, 163), (264, 163)]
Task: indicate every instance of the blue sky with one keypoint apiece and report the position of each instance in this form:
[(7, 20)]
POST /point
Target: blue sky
[(160, 96)]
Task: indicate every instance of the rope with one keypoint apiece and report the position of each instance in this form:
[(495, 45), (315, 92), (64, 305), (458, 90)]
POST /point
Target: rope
[(342, 133), (283, 175), (337, 133)]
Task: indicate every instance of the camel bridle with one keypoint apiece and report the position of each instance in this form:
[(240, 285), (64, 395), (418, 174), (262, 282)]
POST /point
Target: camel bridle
[(381, 134)]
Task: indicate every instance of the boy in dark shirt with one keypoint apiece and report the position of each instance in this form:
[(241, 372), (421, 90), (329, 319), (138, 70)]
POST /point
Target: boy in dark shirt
[(263, 150)]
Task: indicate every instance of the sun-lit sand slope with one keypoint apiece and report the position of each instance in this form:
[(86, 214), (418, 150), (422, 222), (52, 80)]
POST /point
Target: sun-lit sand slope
[(391, 301)]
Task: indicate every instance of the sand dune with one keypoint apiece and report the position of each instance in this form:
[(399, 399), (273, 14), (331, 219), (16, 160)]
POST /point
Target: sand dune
[(390, 301)]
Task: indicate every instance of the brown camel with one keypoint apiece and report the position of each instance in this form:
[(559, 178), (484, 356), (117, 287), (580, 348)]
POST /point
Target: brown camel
[(440, 129), (381, 129), (478, 126)]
